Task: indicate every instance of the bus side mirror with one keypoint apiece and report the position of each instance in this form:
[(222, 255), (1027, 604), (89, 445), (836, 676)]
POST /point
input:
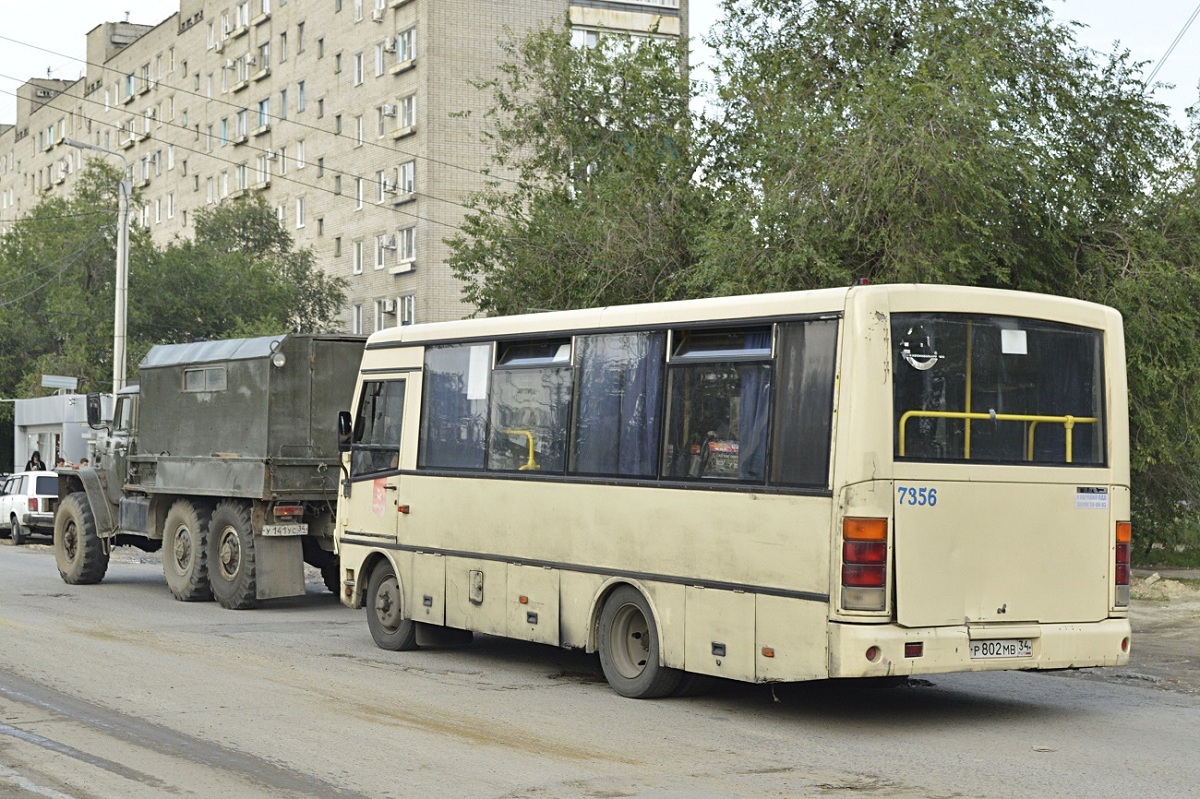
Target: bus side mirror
[(95, 417), (345, 431)]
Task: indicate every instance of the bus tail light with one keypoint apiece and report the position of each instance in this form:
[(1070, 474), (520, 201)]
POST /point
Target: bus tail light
[(1121, 566), (864, 563)]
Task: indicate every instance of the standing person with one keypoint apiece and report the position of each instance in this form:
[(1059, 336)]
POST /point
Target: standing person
[(35, 463)]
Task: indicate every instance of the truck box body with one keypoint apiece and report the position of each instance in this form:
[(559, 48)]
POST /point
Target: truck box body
[(220, 418)]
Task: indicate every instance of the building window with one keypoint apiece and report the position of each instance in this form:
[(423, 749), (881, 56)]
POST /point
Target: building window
[(337, 63), (406, 244), (358, 130), (356, 320), (299, 212), (381, 186), (300, 154), (406, 45), (408, 111), (337, 247), (381, 314), (283, 47), (300, 37), (243, 177), (407, 311), (283, 160), (406, 178), (358, 13), (379, 65), (283, 104), (301, 98), (356, 253), (358, 69), (264, 112), (381, 245), (358, 194)]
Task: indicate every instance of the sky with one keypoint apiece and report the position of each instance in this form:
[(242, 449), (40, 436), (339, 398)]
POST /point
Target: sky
[(59, 28)]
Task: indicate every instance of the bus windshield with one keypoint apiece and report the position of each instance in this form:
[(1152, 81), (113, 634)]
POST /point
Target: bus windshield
[(997, 389)]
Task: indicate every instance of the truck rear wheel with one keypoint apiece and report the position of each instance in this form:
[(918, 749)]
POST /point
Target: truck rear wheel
[(185, 551), (78, 551), (231, 556)]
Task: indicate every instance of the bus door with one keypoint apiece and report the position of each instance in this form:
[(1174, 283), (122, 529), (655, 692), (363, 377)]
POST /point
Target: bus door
[(370, 503)]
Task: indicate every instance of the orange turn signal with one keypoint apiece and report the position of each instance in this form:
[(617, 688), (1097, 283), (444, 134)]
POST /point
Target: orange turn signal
[(855, 529)]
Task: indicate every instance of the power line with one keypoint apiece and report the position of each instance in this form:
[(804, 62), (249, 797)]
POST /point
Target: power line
[(1171, 49), (74, 258)]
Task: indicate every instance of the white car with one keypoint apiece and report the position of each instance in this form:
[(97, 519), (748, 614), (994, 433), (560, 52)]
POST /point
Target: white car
[(27, 503)]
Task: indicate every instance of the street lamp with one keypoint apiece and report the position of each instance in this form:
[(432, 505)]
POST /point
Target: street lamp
[(122, 290)]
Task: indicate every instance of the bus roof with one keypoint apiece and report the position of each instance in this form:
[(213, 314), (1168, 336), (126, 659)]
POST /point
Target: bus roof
[(716, 309)]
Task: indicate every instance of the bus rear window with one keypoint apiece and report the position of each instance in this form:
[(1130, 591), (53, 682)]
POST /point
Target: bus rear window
[(996, 389)]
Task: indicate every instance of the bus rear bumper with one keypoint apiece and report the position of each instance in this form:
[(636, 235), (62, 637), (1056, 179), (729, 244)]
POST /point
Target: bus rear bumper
[(866, 650)]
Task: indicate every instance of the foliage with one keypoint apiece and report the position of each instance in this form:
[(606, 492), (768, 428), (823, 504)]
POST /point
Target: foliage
[(594, 200), (953, 141), (240, 276)]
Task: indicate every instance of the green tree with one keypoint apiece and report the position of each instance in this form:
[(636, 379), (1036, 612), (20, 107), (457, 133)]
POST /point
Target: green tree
[(594, 200), (240, 276), (960, 141)]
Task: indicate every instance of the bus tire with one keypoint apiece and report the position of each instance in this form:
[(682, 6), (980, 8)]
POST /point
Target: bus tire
[(231, 560), (385, 611), (185, 551), (630, 648), (19, 536), (78, 551)]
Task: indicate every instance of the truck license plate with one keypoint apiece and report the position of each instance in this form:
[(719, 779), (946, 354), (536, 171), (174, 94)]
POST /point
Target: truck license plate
[(284, 529), (1002, 648)]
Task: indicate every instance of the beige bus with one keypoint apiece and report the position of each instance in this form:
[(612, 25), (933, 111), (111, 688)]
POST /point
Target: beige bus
[(877, 481)]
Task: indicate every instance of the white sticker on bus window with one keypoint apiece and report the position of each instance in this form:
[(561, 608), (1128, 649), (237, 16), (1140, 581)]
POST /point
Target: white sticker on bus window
[(1091, 498), (477, 373), (1012, 342)]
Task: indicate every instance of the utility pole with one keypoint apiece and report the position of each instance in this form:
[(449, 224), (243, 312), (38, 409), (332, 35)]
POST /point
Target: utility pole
[(121, 300)]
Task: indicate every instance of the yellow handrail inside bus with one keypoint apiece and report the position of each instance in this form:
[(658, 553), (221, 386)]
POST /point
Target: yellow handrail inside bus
[(1068, 422), (531, 463)]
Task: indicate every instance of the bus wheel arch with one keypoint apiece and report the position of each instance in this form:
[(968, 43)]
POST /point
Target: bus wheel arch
[(629, 640)]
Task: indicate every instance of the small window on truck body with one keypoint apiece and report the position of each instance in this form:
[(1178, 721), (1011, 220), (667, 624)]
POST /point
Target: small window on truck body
[(209, 378)]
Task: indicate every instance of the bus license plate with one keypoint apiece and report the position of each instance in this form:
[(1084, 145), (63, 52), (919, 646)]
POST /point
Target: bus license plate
[(1002, 648), (284, 529)]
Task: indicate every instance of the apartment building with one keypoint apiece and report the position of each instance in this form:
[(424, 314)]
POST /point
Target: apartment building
[(355, 119)]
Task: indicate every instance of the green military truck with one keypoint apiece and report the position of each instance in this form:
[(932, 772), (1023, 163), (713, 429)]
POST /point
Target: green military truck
[(225, 457)]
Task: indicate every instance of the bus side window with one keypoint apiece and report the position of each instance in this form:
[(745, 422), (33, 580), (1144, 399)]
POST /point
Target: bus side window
[(618, 398), (719, 395), (807, 366)]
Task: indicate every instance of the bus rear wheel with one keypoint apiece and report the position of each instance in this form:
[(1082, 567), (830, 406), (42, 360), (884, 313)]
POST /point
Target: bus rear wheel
[(630, 648), (385, 611)]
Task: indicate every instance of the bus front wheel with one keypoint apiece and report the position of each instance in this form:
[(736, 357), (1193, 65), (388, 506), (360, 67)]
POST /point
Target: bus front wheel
[(629, 648), (385, 611)]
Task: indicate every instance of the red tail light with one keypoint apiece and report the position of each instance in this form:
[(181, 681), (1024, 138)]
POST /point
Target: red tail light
[(1121, 564), (864, 563), (288, 512), (33, 504)]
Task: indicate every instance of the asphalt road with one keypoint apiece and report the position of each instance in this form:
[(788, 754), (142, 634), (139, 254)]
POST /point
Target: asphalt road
[(116, 690)]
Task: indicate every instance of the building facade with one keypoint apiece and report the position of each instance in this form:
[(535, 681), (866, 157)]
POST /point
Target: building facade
[(355, 119)]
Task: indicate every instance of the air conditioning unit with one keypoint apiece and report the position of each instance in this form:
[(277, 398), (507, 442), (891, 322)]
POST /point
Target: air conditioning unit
[(387, 242), (228, 63), (377, 15), (150, 113), (388, 110), (389, 186), (220, 46), (389, 306), (251, 61), (389, 46), (271, 155)]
